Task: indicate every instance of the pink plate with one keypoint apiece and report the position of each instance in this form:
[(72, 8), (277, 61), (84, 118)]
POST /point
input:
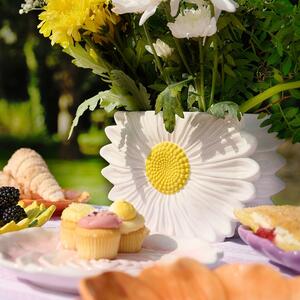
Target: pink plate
[(289, 259), (35, 255)]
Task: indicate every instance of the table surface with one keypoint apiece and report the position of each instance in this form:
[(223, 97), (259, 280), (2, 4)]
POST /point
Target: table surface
[(11, 288)]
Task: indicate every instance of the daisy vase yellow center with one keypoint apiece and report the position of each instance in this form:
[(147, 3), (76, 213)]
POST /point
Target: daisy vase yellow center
[(167, 168)]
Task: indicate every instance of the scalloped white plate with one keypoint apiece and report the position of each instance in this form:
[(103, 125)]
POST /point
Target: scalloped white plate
[(35, 255)]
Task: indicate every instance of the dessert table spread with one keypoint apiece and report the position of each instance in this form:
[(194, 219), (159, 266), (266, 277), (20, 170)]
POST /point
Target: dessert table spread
[(11, 288)]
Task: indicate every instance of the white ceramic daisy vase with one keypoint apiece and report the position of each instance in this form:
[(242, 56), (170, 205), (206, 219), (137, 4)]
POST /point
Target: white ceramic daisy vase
[(269, 160), (187, 183)]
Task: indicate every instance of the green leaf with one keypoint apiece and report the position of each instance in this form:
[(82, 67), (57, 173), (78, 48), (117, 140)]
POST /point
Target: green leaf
[(296, 136), (286, 66), (276, 127), (277, 75), (236, 22), (276, 24), (193, 97), (278, 45), (278, 115), (159, 87), (223, 22), (230, 60), (84, 59), (90, 104), (140, 50), (295, 94), (262, 115), (130, 54), (123, 93), (169, 102), (124, 84), (295, 122), (273, 59), (221, 109), (115, 98), (266, 122), (291, 112), (229, 71)]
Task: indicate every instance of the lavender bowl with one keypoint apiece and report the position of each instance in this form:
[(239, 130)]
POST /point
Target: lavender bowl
[(289, 259)]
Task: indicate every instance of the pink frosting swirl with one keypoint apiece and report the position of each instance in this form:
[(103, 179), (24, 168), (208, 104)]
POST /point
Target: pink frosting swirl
[(100, 220)]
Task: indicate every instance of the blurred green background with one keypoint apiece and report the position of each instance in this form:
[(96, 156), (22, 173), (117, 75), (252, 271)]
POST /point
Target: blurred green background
[(40, 90)]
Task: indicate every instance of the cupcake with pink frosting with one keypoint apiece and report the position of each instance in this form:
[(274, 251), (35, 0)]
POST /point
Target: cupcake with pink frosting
[(98, 235)]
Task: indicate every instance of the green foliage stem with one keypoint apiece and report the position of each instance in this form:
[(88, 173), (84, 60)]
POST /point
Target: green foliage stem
[(200, 87), (214, 72), (252, 102), (176, 41), (159, 66), (180, 52), (128, 64)]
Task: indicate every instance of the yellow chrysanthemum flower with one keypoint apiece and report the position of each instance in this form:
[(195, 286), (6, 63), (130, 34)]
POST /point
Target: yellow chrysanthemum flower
[(104, 20), (64, 20)]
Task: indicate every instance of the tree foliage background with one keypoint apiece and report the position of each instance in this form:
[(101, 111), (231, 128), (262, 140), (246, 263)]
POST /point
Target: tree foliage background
[(33, 77)]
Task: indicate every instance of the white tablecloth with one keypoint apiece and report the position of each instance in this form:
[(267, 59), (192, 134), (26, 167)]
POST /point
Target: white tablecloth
[(11, 288)]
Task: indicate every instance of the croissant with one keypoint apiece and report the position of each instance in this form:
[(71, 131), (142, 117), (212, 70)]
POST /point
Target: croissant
[(253, 282), (294, 286), (117, 286), (32, 175), (7, 180), (188, 280)]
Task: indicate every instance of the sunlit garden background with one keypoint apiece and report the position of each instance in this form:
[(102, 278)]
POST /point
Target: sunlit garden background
[(39, 92)]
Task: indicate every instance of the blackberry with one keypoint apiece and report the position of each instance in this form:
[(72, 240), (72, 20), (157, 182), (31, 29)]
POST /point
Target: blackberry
[(9, 196), (15, 213)]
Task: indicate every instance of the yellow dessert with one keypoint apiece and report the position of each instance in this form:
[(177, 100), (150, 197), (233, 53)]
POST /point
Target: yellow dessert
[(123, 210), (70, 216), (279, 224), (133, 230)]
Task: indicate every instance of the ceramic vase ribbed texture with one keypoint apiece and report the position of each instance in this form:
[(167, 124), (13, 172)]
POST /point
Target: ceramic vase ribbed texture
[(269, 160)]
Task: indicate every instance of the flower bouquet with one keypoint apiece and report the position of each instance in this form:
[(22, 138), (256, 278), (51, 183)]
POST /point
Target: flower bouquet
[(182, 73)]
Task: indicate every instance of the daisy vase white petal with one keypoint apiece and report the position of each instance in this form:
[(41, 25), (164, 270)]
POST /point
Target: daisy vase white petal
[(269, 160), (186, 183)]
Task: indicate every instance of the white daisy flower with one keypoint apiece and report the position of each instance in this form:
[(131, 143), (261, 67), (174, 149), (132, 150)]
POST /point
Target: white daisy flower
[(162, 49), (174, 7), (145, 7), (227, 5), (186, 183), (194, 22), (198, 22)]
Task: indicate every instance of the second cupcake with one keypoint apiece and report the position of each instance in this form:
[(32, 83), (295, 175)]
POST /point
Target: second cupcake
[(133, 230)]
